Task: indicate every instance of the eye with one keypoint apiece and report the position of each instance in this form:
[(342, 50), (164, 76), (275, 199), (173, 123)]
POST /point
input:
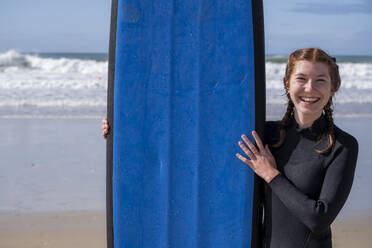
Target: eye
[(301, 80)]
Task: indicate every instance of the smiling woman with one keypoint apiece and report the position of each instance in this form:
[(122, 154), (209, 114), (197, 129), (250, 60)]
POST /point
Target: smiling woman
[(310, 89), (310, 169), (316, 66)]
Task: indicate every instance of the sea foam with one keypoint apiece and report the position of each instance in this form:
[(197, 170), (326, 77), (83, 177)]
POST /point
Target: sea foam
[(29, 83)]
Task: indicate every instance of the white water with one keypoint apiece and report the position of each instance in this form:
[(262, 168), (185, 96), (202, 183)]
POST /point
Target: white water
[(30, 84)]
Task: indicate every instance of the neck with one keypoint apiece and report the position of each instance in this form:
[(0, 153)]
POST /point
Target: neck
[(305, 121)]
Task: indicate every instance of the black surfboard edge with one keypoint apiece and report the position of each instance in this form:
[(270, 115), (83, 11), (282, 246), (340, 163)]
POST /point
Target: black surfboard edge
[(110, 118), (260, 115), (257, 240)]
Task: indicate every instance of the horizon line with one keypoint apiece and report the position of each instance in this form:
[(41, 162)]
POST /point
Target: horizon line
[(101, 52)]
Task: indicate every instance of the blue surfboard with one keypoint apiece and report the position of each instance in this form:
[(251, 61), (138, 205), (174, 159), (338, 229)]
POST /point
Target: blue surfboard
[(186, 79)]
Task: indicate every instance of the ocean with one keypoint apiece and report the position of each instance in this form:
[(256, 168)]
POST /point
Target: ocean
[(52, 152), (75, 85)]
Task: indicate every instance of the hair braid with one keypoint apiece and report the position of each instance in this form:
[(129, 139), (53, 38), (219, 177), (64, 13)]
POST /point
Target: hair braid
[(328, 111), (284, 123)]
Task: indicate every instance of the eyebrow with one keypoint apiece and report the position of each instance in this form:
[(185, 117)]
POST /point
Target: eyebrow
[(322, 75), (301, 74)]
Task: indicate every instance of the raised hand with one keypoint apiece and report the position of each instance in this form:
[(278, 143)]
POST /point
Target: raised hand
[(261, 161)]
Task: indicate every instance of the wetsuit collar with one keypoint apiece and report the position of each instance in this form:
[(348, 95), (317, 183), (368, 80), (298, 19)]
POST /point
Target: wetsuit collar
[(318, 127)]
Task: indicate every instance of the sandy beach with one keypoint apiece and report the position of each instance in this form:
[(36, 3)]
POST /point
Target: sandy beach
[(88, 229), (53, 229), (53, 193), (352, 233)]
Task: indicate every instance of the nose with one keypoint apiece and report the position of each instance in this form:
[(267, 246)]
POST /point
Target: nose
[(310, 85)]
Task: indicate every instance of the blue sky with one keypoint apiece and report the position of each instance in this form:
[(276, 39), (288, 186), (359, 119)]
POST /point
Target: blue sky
[(341, 27)]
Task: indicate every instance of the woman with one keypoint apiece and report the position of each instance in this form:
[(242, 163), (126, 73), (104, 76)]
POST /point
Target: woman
[(310, 170)]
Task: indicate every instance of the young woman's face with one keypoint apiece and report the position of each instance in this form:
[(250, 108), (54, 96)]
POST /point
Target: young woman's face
[(309, 87)]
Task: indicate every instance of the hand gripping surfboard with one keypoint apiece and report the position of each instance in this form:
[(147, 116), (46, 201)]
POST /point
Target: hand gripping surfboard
[(186, 79)]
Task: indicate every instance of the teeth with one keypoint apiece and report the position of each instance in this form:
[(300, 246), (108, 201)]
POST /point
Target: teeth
[(309, 99)]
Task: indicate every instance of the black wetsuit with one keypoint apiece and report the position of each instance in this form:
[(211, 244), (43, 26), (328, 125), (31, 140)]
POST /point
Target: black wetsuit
[(304, 199)]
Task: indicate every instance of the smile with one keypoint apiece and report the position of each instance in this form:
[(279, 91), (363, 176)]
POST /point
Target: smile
[(309, 99)]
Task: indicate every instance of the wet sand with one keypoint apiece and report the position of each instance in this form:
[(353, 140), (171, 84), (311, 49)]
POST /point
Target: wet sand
[(53, 229), (355, 233), (88, 229), (45, 202)]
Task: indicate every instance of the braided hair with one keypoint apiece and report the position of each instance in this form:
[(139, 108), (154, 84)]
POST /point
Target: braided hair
[(313, 55)]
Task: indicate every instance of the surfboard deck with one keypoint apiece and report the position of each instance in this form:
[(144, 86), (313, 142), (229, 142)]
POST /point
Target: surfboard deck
[(186, 79)]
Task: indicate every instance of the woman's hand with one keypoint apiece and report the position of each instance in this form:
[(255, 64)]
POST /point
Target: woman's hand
[(262, 162), (105, 128)]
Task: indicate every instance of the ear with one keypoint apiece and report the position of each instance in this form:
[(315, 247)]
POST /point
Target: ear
[(332, 92), (286, 84)]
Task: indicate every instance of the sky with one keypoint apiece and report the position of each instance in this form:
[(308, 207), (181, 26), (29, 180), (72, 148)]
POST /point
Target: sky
[(341, 27)]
